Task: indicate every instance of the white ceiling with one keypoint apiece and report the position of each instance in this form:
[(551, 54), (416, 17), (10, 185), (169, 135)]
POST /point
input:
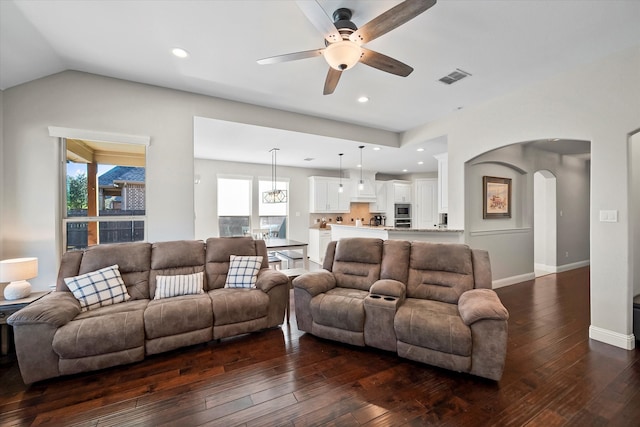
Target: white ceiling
[(503, 44)]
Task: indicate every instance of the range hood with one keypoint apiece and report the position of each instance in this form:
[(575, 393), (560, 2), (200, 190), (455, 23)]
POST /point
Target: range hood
[(368, 193)]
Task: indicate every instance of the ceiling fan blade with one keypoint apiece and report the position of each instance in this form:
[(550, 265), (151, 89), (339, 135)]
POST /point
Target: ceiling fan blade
[(390, 19), (330, 83), (319, 18), (384, 63), (291, 57)]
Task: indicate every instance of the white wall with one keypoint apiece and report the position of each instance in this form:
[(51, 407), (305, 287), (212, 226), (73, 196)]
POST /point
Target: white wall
[(634, 192), (206, 195), (598, 102), (30, 212), (544, 221), (3, 179)]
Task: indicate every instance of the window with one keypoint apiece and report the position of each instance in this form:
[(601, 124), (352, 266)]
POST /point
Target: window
[(104, 193), (273, 216), (234, 206)]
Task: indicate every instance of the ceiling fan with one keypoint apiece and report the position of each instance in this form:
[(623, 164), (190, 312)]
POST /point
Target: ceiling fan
[(343, 40)]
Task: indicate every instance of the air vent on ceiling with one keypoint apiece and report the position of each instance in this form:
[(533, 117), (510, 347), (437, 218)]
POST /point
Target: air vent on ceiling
[(454, 76)]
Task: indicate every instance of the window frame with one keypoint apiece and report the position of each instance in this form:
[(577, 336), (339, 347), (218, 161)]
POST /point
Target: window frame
[(62, 134), (250, 181)]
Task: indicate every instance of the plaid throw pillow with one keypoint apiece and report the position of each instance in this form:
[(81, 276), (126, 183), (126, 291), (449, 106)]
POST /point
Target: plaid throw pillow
[(181, 284), (98, 288), (243, 271)]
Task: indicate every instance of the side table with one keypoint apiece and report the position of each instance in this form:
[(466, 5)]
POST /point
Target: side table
[(7, 308), (291, 274)]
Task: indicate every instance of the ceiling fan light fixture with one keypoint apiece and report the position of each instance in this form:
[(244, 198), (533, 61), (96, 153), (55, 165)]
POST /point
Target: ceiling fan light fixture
[(342, 55)]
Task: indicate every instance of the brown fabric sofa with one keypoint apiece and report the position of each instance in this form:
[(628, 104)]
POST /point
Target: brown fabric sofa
[(429, 302), (54, 337)]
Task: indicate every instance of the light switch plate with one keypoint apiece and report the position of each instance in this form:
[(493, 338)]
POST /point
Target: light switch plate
[(608, 216)]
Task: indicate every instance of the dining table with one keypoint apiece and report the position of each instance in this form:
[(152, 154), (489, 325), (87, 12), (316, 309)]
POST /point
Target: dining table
[(275, 244)]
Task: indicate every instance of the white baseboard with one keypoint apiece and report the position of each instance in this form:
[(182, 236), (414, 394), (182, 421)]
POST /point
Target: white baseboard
[(627, 342), (512, 280), (573, 266), (561, 268), (500, 283)]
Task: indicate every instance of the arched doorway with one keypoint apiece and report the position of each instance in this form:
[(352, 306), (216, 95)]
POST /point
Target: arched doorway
[(544, 223)]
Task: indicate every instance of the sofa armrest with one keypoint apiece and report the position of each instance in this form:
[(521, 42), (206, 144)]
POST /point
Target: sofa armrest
[(389, 287), (315, 282), (55, 309), (269, 278), (479, 304)]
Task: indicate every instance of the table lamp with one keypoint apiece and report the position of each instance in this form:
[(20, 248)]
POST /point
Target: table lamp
[(17, 271)]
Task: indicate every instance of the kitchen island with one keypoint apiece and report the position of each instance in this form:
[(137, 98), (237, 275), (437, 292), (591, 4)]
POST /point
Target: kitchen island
[(438, 235)]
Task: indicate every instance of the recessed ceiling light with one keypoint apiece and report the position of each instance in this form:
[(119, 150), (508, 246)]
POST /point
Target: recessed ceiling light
[(180, 53), (376, 148), (421, 162), (405, 170), (420, 149), (358, 166), (363, 99)]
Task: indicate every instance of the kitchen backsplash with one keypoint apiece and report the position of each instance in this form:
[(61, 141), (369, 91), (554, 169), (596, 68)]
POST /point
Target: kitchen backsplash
[(357, 211)]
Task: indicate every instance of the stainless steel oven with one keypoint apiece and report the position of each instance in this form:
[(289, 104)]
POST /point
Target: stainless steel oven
[(402, 211), (403, 223), (402, 215)]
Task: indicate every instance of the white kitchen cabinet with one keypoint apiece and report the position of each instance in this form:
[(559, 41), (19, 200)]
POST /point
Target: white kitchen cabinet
[(426, 203), (401, 192), (319, 239), (325, 196), (443, 182), (380, 205)]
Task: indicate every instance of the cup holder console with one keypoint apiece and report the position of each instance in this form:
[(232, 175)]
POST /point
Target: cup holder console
[(380, 334), (380, 297)]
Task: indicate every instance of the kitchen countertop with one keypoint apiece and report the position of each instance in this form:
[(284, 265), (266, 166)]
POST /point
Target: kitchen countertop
[(404, 230)]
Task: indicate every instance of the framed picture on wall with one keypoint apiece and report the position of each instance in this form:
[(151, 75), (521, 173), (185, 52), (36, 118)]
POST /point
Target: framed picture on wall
[(496, 197)]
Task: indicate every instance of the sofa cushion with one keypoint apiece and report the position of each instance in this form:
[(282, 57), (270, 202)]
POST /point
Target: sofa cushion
[(395, 260), (173, 316), (243, 271), (180, 257), (218, 252), (434, 325), (133, 259), (98, 288), (179, 284), (439, 271), (357, 262), (110, 332), (234, 305), (123, 307), (341, 308)]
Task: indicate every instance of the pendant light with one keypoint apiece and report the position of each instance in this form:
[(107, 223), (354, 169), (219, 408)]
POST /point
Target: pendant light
[(361, 183), (274, 195), (340, 188)]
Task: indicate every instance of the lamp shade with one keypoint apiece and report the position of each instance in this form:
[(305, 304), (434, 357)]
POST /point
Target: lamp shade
[(12, 270), (17, 271), (342, 55)]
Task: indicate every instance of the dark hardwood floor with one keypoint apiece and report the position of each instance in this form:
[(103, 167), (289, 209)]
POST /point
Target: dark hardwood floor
[(554, 376)]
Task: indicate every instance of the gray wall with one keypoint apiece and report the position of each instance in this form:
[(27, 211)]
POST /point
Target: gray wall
[(596, 102), (30, 165), (634, 155), (585, 104), (206, 194), (510, 241)]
